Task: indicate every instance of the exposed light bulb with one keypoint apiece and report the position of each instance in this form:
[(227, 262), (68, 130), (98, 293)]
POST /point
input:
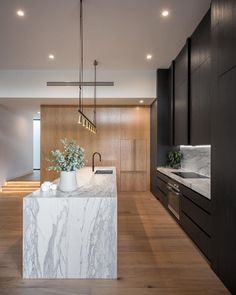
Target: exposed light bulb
[(149, 56), (20, 13), (51, 56), (165, 13)]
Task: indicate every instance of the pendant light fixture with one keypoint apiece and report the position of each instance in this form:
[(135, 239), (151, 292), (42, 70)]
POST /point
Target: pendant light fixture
[(83, 119)]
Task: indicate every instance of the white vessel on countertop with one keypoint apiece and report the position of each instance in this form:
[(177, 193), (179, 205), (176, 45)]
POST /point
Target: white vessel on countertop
[(72, 235)]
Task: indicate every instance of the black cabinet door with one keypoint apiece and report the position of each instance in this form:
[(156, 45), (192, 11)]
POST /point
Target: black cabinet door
[(181, 66), (200, 115), (223, 180), (195, 131), (227, 35), (181, 117), (204, 103), (153, 148), (200, 42), (200, 90), (181, 97)]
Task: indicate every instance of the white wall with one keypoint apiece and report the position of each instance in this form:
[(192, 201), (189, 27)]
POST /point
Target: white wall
[(16, 143), (32, 84)]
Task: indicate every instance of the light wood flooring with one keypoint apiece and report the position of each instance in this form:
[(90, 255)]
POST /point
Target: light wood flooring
[(155, 256)]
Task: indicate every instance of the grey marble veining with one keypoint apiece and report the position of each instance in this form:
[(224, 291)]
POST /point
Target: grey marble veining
[(196, 159), (199, 185), (72, 235)]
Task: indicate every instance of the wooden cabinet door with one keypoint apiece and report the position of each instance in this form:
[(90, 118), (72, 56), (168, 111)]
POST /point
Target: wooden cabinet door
[(133, 164), (127, 155), (133, 181), (140, 154)]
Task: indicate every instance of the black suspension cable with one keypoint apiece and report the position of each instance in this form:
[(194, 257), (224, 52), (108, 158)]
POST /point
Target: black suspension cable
[(81, 70), (95, 91)]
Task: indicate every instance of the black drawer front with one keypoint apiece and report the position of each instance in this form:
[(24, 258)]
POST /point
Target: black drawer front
[(199, 216), (198, 199), (197, 235), (162, 185), (162, 176), (162, 197)]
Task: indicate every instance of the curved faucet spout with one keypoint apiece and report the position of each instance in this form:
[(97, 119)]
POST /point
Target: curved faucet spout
[(93, 156)]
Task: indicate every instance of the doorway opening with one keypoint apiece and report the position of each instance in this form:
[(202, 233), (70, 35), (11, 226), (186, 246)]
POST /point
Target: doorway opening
[(36, 144)]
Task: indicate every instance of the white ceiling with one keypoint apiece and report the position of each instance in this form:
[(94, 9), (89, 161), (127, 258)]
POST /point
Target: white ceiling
[(119, 33)]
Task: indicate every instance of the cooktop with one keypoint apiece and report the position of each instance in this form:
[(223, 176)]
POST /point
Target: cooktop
[(189, 175)]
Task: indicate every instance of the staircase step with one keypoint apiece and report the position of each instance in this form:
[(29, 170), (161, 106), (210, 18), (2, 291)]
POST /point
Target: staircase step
[(26, 187), (22, 183), (21, 186), (19, 190)]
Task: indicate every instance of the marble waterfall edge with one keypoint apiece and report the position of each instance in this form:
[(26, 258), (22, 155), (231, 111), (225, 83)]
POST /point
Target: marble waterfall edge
[(72, 235)]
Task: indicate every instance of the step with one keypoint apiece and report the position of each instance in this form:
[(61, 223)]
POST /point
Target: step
[(20, 186), (18, 191), (22, 183), (23, 193)]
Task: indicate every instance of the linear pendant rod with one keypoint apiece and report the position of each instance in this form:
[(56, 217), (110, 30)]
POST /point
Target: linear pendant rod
[(73, 83)]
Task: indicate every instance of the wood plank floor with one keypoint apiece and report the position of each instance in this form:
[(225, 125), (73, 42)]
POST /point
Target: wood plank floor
[(155, 256)]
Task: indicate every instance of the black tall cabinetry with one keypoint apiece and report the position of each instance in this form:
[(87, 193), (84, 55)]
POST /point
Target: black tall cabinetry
[(153, 148), (223, 138), (181, 96), (164, 115), (161, 121), (200, 86)]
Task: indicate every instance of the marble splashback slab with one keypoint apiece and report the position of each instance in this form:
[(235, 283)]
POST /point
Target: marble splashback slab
[(196, 159)]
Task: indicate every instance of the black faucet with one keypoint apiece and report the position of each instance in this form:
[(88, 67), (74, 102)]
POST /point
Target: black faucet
[(100, 159)]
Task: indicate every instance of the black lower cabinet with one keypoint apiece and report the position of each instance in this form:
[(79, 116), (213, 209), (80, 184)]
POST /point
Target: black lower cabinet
[(195, 214), (162, 189), (195, 219)]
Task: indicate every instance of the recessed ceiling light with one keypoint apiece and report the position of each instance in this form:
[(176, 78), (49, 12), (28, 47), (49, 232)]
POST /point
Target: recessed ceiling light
[(39, 113), (20, 13), (149, 56), (141, 101), (165, 13), (51, 56)]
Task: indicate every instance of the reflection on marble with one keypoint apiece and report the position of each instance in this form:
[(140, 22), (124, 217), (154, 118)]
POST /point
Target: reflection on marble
[(72, 235), (196, 159)]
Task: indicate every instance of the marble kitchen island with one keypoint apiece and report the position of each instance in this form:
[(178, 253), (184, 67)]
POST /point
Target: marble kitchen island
[(72, 235)]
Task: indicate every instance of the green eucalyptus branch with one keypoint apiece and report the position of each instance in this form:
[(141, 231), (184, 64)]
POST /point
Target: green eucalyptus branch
[(70, 159)]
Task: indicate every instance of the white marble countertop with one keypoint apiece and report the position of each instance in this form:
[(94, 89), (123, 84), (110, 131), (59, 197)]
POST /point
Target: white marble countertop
[(199, 185), (90, 185), (72, 235)]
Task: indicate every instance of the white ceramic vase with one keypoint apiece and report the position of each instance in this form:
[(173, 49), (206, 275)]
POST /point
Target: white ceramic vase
[(68, 182)]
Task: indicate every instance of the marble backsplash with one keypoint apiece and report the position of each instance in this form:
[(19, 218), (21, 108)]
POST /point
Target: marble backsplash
[(197, 159)]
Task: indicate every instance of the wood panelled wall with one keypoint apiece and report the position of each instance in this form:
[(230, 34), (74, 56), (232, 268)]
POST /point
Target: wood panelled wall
[(123, 139)]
